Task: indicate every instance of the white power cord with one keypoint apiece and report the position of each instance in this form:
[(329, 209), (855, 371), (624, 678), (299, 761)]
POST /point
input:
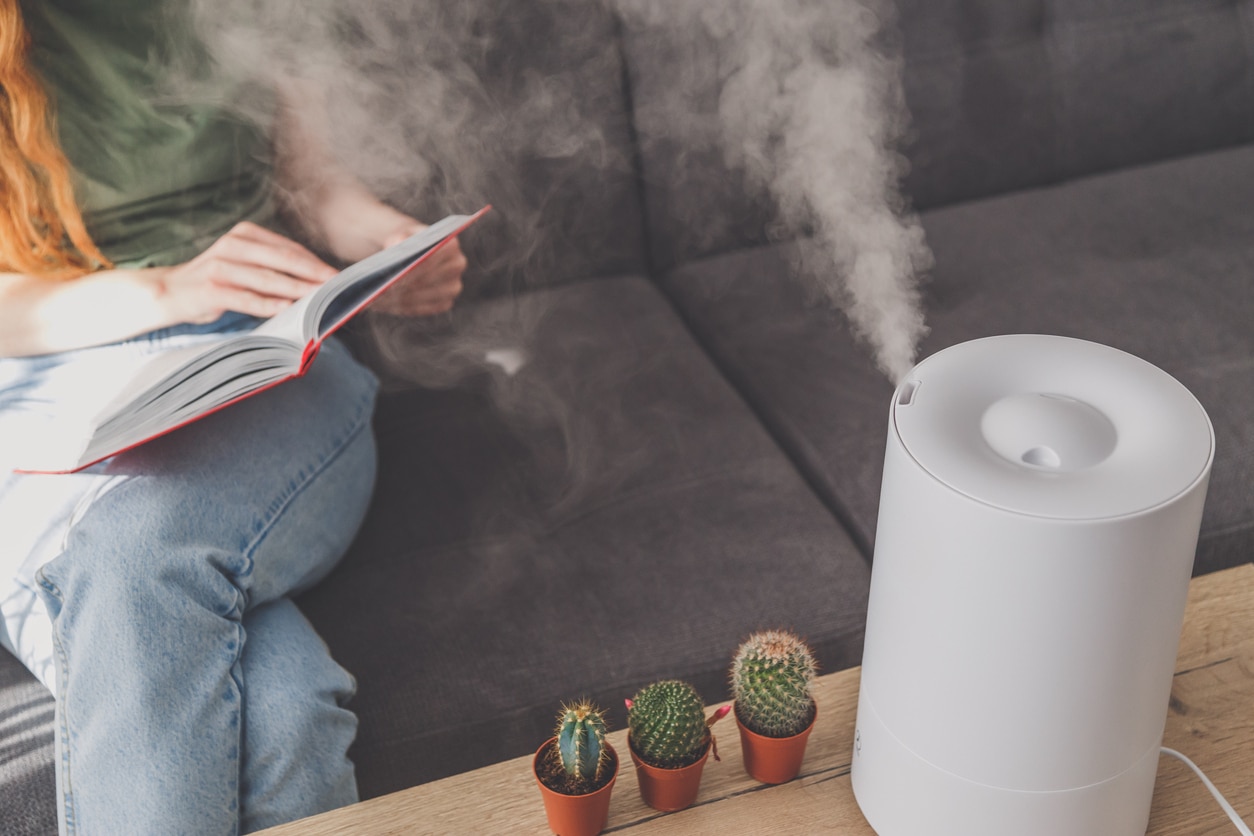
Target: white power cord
[(1223, 802)]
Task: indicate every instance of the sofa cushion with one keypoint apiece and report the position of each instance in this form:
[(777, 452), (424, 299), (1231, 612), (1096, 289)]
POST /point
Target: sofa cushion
[(527, 111), (1001, 96), (27, 781), (611, 514), (696, 203), (1157, 261), (1005, 96)]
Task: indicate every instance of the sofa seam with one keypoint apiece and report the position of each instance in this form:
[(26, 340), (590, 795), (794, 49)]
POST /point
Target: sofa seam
[(694, 332), (746, 394), (653, 274), (637, 151)]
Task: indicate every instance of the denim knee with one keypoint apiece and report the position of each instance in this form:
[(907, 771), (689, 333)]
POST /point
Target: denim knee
[(193, 515)]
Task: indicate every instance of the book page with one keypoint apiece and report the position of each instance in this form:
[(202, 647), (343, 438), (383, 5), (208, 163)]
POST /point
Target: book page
[(183, 373), (288, 325), (152, 373), (83, 389), (307, 318), (343, 295), (196, 394)]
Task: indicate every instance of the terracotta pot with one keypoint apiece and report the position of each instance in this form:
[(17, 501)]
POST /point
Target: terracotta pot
[(773, 760), (668, 790), (575, 815)]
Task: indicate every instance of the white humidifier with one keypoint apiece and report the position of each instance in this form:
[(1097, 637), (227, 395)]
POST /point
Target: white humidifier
[(1038, 519)]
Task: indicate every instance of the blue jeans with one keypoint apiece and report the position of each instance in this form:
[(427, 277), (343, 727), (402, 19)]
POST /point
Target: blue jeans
[(191, 694)]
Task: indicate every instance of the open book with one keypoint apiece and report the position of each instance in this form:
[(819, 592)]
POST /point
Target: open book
[(179, 386)]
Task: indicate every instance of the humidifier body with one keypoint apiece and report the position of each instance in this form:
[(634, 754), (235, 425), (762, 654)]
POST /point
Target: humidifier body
[(1038, 519)]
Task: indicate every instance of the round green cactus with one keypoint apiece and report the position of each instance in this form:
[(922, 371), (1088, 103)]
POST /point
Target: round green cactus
[(771, 676), (581, 742), (667, 724)]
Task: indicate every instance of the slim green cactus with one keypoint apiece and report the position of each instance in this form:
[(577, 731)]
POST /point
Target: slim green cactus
[(771, 676), (667, 725), (581, 742)]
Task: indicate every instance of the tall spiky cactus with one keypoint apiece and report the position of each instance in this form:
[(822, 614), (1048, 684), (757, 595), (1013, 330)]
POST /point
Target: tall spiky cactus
[(771, 676), (581, 742), (667, 724)]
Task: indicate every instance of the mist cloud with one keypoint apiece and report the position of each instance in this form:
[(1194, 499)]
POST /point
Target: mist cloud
[(810, 108), (428, 110)]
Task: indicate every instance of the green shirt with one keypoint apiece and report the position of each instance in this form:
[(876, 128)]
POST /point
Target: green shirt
[(158, 180)]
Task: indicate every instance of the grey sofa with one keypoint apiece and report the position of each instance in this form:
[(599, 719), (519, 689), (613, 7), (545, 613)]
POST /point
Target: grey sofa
[(692, 446)]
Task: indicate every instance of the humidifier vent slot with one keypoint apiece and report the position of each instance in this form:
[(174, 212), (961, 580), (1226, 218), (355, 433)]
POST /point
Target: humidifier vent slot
[(907, 393)]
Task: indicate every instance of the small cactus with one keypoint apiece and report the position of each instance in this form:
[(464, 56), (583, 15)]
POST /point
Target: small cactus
[(667, 724), (771, 676), (581, 742)]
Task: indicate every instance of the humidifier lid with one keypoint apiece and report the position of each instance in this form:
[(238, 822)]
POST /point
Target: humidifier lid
[(1053, 427)]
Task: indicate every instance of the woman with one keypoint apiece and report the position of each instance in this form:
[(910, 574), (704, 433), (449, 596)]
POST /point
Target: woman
[(151, 593)]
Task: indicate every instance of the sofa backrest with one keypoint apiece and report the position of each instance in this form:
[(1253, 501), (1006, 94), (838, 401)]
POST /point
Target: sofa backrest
[(542, 130), (1003, 95), (1007, 94)]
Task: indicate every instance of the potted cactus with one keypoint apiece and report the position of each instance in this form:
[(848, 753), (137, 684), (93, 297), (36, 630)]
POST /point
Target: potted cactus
[(670, 740), (576, 770), (771, 676)]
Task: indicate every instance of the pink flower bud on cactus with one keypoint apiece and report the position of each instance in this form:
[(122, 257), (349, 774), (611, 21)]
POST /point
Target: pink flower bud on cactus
[(718, 715)]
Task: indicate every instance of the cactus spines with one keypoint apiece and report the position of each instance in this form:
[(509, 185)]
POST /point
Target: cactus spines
[(581, 742), (667, 724), (771, 676)]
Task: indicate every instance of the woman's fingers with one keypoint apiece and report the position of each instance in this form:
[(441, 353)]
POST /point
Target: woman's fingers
[(259, 272), (251, 270), (229, 298), (432, 288), (445, 265), (260, 280), (404, 297), (449, 259), (437, 277), (249, 244), (450, 288)]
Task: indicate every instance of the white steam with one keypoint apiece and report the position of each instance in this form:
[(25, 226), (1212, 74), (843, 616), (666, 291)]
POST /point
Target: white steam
[(508, 360), (437, 107), (811, 109), (434, 116)]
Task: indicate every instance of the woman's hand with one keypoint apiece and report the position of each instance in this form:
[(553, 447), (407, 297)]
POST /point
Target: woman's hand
[(250, 270), (433, 286), (355, 224), (340, 214)]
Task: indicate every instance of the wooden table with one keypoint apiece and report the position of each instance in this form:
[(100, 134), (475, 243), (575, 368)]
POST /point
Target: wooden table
[(1211, 719)]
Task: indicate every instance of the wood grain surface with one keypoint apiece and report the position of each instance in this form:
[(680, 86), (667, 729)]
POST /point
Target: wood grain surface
[(1211, 719)]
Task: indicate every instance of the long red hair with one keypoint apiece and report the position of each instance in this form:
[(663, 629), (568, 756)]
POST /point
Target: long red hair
[(41, 227)]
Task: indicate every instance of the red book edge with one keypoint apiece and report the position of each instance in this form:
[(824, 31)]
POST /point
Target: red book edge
[(306, 358)]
